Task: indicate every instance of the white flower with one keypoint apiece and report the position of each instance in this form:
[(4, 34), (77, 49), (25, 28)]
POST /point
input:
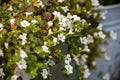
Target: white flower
[(10, 8), (61, 37), (12, 21), (22, 64), (76, 59), (86, 49), (65, 9), (1, 25), (28, 13), (34, 21), (67, 59), (94, 63), (113, 35), (24, 23), (84, 40), (50, 62), (44, 73), (76, 18), (1, 73), (55, 40), (95, 2), (71, 31), (101, 35), (106, 57), (6, 45), (83, 21), (62, 29), (69, 16), (14, 77), (69, 69), (84, 57), (23, 54), (106, 76), (23, 38), (50, 31), (86, 72), (100, 27), (50, 23), (45, 48), (1, 53), (60, 1), (90, 39), (57, 14)]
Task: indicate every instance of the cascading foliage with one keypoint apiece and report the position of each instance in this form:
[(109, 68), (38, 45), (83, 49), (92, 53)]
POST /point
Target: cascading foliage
[(32, 33)]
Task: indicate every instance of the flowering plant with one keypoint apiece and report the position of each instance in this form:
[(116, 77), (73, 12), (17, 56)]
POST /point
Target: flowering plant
[(32, 33)]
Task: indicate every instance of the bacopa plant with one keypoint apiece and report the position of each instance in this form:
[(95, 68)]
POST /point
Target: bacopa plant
[(32, 33)]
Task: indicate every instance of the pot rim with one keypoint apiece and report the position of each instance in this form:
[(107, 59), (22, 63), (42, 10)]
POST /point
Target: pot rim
[(112, 6)]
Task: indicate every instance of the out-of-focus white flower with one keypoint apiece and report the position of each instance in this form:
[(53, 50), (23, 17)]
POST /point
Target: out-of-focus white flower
[(6, 45), (67, 59), (28, 13), (113, 35), (100, 34), (90, 39), (55, 40), (45, 48), (50, 23), (23, 38), (69, 16), (65, 9), (23, 54), (62, 29), (14, 77), (61, 37), (102, 14), (106, 57), (106, 76), (69, 69), (95, 2), (34, 21), (94, 63), (86, 49), (56, 13), (10, 8), (71, 31), (1, 53), (100, 27), (51, 62), (1, 25), (83, 21), (1, 73), (76, 18), (24, 23), (84, 40), (86, 72), (76, 59), (22, 64), (12, 21), (50, 31), (60, 1), (44, 73)]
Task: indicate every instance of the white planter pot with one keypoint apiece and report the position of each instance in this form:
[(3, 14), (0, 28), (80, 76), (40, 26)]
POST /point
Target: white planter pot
[(111, 23)]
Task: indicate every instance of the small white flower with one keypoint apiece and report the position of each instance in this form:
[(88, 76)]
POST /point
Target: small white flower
[(34, 21), (95, 2), (23, 38), (69, 16), (100, 27), (69, 69), (1, 25), (84, 40), (44, 73), (57, 14), (90, 39), (22, 64), (1, 53), (23, 54), (65, 9), (62, 29), (113, 35), (50, 62), (55, 40), (67, 59), (86, 49), (28, 13), (6, 45), (1, 73), (50, 31), (60, 1), (50, 23), (24, 23), (76, 18), (106, 76), (10, 8), (45, 48), (86, 72), (76, 59), (71, 31), (101, 35), (14, 77), (12, 21), (61, 37)]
